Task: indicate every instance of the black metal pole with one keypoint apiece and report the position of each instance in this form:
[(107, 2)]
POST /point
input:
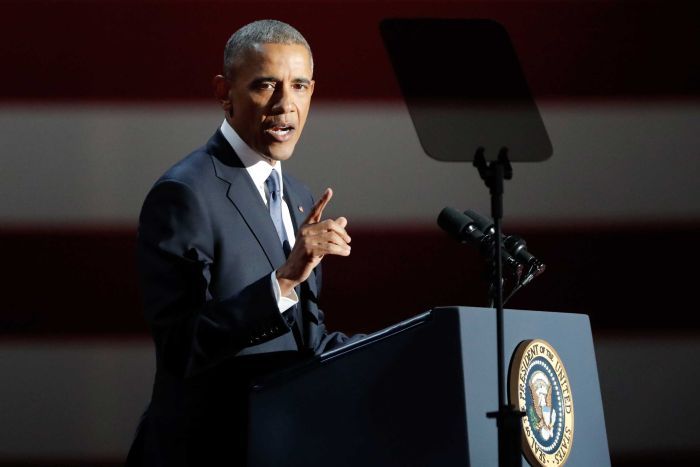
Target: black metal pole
[(507, 417), (496, 214)]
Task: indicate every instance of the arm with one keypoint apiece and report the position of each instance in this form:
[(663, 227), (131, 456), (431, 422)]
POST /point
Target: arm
[(192, 329), (315, 239)]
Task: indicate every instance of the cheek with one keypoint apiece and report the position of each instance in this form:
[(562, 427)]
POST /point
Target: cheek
[(303, 109), (248, 116), (246, 104)]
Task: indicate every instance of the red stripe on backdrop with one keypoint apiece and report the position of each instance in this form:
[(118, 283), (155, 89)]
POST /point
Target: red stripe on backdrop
[(80, 282), (170, 50)]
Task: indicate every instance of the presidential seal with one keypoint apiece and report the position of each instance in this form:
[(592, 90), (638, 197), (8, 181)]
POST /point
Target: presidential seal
[(539, 386)]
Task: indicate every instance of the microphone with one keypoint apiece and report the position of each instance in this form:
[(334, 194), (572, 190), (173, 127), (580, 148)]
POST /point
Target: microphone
[(460, 226), (485, 224), (465, 229), (518, 248), (514, 244)]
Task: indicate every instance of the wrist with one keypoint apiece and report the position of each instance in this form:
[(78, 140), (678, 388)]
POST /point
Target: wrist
[(286, 285)]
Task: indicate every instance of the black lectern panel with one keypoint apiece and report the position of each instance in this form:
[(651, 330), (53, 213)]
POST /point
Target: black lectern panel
[(393, 402)]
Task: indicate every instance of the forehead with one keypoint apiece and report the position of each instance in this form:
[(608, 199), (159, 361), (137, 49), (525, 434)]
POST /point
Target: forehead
[(274, 59)]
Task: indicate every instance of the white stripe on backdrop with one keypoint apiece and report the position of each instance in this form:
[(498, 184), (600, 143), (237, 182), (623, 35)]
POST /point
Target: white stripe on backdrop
[(93, 163)]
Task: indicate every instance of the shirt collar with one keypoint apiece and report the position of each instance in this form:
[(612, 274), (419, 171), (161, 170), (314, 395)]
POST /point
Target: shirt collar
[(255, 164)]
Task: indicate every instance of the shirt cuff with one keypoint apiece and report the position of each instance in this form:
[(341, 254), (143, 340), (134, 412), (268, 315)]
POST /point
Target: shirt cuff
[(283, 303)]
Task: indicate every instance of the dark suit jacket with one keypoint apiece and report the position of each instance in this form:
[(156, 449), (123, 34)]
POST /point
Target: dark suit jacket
[(206, 249)]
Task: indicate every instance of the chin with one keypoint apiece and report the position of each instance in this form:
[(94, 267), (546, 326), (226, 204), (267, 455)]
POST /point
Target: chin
[(280, 153)]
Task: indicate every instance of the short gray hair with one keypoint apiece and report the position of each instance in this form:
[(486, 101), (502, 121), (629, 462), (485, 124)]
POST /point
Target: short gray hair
[(265, 31)]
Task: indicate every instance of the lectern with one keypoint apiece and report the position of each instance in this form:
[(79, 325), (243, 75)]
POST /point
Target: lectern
[(417, 393)]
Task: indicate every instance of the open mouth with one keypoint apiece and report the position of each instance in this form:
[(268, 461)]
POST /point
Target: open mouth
[(281, 132)]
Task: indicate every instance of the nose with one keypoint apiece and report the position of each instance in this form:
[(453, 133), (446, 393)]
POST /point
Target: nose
[(283, 100)]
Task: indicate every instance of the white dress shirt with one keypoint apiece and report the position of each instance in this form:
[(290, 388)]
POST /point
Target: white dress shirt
[(259, 169)]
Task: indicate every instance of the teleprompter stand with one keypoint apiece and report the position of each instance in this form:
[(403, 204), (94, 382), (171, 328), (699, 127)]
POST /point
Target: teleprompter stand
[(465, 89), (507, 417)]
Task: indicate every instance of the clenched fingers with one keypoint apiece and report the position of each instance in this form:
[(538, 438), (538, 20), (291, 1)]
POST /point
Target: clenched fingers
[(319, 249), (336, 227), (327, 243)]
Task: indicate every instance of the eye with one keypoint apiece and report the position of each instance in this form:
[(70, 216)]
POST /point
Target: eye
[(300, 86), (265, 86)]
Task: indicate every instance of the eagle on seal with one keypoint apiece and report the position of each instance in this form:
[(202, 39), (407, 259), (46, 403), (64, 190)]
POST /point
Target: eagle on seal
[(541, 390)]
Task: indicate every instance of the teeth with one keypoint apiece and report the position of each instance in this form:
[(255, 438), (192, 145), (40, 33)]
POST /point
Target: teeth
[(280, 131)]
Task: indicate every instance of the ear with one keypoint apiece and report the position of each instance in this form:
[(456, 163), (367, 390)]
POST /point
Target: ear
[(311, 87), (221, 90)]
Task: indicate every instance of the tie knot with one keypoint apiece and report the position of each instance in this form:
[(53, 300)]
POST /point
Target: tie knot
[(273, 183)]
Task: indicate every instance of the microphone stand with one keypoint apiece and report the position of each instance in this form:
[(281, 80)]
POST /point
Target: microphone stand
[(507, 417)]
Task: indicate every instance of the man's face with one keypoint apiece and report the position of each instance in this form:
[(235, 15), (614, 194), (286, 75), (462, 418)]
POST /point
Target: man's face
[(270, 96)]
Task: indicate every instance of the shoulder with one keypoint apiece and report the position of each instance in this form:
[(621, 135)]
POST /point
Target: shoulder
[(200, 165), (193, 170), (183, 186)]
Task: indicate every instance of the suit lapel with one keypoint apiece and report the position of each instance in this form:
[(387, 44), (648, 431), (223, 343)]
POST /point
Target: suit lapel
[(293, 203), (246, 198)]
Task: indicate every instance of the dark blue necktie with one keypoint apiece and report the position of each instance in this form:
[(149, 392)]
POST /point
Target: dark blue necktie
[(274, 205)]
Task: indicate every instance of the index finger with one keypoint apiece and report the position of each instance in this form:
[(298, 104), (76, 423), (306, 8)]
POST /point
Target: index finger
[(317, 210)]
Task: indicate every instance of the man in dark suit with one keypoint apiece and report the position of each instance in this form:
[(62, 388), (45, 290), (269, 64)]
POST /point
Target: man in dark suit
[(229, 252)]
